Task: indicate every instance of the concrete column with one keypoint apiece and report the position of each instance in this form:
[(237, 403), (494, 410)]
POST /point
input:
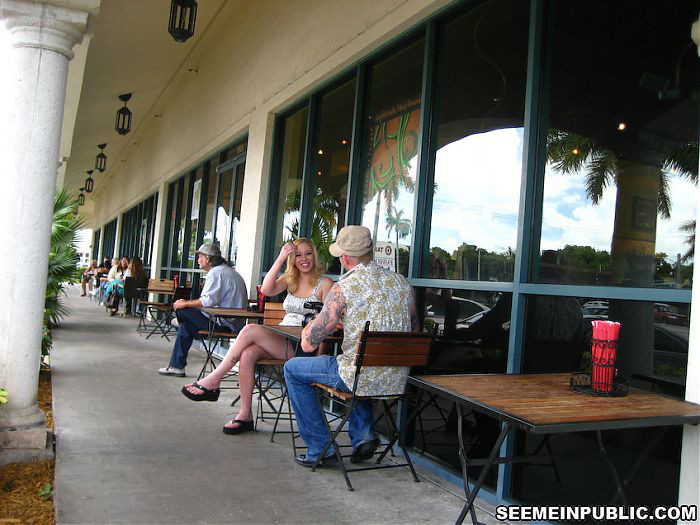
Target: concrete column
[(689, 486), (159, 231), (42, 37), (118, 236)]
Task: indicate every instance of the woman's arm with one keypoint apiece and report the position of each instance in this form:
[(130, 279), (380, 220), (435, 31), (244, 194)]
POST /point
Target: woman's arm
[(326, 285), (272, 284)]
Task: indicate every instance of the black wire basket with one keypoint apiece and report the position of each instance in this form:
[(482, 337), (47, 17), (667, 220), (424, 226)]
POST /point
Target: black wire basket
[(583, 384)]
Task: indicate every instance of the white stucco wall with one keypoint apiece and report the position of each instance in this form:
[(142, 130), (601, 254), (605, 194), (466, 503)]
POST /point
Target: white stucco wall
[(252, 62)]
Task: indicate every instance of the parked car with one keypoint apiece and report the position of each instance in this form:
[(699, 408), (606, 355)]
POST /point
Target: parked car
[(596, 304), (595, 313), (663, 314)]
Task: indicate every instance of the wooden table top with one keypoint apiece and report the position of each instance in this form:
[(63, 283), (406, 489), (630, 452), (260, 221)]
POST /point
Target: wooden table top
[(544, 403), (232, 312)]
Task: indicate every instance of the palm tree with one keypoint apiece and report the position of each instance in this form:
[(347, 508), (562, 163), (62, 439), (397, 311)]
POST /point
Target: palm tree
[(402, 228), (63, 257)]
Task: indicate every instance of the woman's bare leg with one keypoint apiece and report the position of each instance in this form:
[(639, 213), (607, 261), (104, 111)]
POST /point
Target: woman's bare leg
[(250, 335), (246, 371)]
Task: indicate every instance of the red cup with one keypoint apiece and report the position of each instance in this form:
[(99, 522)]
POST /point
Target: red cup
[(261, 300)]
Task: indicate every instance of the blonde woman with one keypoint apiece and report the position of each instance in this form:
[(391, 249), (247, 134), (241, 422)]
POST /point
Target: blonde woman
[(303, 282)]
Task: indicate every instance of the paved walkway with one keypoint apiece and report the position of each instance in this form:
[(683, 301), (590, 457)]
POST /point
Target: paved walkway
[(132, 449)]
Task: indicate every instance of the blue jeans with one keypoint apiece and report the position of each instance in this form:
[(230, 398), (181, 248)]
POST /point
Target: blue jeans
[(299, 373), (191, 320)]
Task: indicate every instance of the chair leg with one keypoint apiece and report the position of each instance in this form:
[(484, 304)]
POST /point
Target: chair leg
[(397, 432), (334, 435)]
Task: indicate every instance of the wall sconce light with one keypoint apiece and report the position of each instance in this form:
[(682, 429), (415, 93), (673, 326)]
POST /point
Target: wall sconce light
[(81, 198), (123, 122), (89, 182), (101, 159), (183, 15)]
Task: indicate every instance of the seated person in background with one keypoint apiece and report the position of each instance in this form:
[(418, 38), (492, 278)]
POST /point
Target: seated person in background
[(303, 282), (115, 285), (85, 280), (135, 271), (365, 292), (223, 287)]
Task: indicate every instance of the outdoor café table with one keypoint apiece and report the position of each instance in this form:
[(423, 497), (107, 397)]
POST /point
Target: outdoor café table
[(293, 334), (544, 404)]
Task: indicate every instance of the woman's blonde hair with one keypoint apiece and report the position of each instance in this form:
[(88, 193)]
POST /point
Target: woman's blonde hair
[(291, 274)]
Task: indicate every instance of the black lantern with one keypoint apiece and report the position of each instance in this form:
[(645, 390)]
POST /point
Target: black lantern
[(101, 158), (81, 198), (89, 183), (123, 123), (183, 14)]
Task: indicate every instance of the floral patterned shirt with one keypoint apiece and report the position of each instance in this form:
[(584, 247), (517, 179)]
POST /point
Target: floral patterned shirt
[(383, 298)]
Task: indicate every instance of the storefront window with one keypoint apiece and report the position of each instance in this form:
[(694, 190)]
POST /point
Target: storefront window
[(480, 94), (390, 154), (291, 174), (622, 146), (331, 168)]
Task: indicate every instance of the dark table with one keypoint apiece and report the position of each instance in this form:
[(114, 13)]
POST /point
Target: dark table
[(544, 404)]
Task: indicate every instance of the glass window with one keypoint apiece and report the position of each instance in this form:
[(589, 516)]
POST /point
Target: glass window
[(210, 202), (622, 145), (480, 94), (331, 168), (183, 218), (236, 212), (390, 153), (291, 172)]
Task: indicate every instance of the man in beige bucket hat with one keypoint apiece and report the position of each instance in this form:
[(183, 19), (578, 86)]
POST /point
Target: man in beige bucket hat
[(366, 292)]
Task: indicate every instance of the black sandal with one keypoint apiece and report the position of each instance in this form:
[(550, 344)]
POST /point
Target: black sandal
[(206, 395), (243, 426)]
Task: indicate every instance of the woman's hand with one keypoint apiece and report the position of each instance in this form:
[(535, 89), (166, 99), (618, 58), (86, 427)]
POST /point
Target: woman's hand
[(286, 250)]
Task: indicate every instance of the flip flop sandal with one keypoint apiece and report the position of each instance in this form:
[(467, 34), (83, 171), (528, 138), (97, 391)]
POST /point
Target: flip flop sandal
[(206, 395), (243, 426)]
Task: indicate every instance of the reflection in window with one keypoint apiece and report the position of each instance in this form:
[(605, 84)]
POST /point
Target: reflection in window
[(291, 172), (390, 150), (621, 174), (331, 168), (480, 109), (236, 212)]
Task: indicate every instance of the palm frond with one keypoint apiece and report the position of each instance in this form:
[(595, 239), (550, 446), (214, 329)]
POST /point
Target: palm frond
[(664, 198), (684, 161), (600, 173)]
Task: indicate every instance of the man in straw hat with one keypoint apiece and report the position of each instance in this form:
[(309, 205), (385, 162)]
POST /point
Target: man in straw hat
[(366, 292), (223, 287)]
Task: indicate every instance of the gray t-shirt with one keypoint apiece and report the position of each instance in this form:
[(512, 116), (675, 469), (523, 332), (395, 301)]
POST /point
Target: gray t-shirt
[(225, 288)]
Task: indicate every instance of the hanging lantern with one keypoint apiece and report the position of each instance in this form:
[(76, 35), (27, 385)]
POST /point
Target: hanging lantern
[(89, 182), (123, 123), (81, 198), (183, 14), (101, 159)]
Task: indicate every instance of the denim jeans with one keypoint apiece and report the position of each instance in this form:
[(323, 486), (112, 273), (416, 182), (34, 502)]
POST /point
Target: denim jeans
[(299, 373), (191, 320)]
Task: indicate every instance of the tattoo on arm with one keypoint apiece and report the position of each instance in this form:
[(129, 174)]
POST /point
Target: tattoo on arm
[(332, 313)]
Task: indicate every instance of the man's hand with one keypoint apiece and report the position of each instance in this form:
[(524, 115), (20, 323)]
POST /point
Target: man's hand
[(180, 303), (325, 322)]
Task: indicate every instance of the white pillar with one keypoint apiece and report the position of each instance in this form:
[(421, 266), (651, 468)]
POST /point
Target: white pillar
[(118, 236), (159, 232), (689, 486), (42, 39)]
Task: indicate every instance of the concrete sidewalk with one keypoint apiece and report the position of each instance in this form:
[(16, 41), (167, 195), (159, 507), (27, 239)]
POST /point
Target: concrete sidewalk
[(132, 449)]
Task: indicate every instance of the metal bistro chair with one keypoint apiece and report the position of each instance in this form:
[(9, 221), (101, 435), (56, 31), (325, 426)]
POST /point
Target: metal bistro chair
[(378, 349), (132, 294), (160, 312), (269, 378), (209, 342)]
